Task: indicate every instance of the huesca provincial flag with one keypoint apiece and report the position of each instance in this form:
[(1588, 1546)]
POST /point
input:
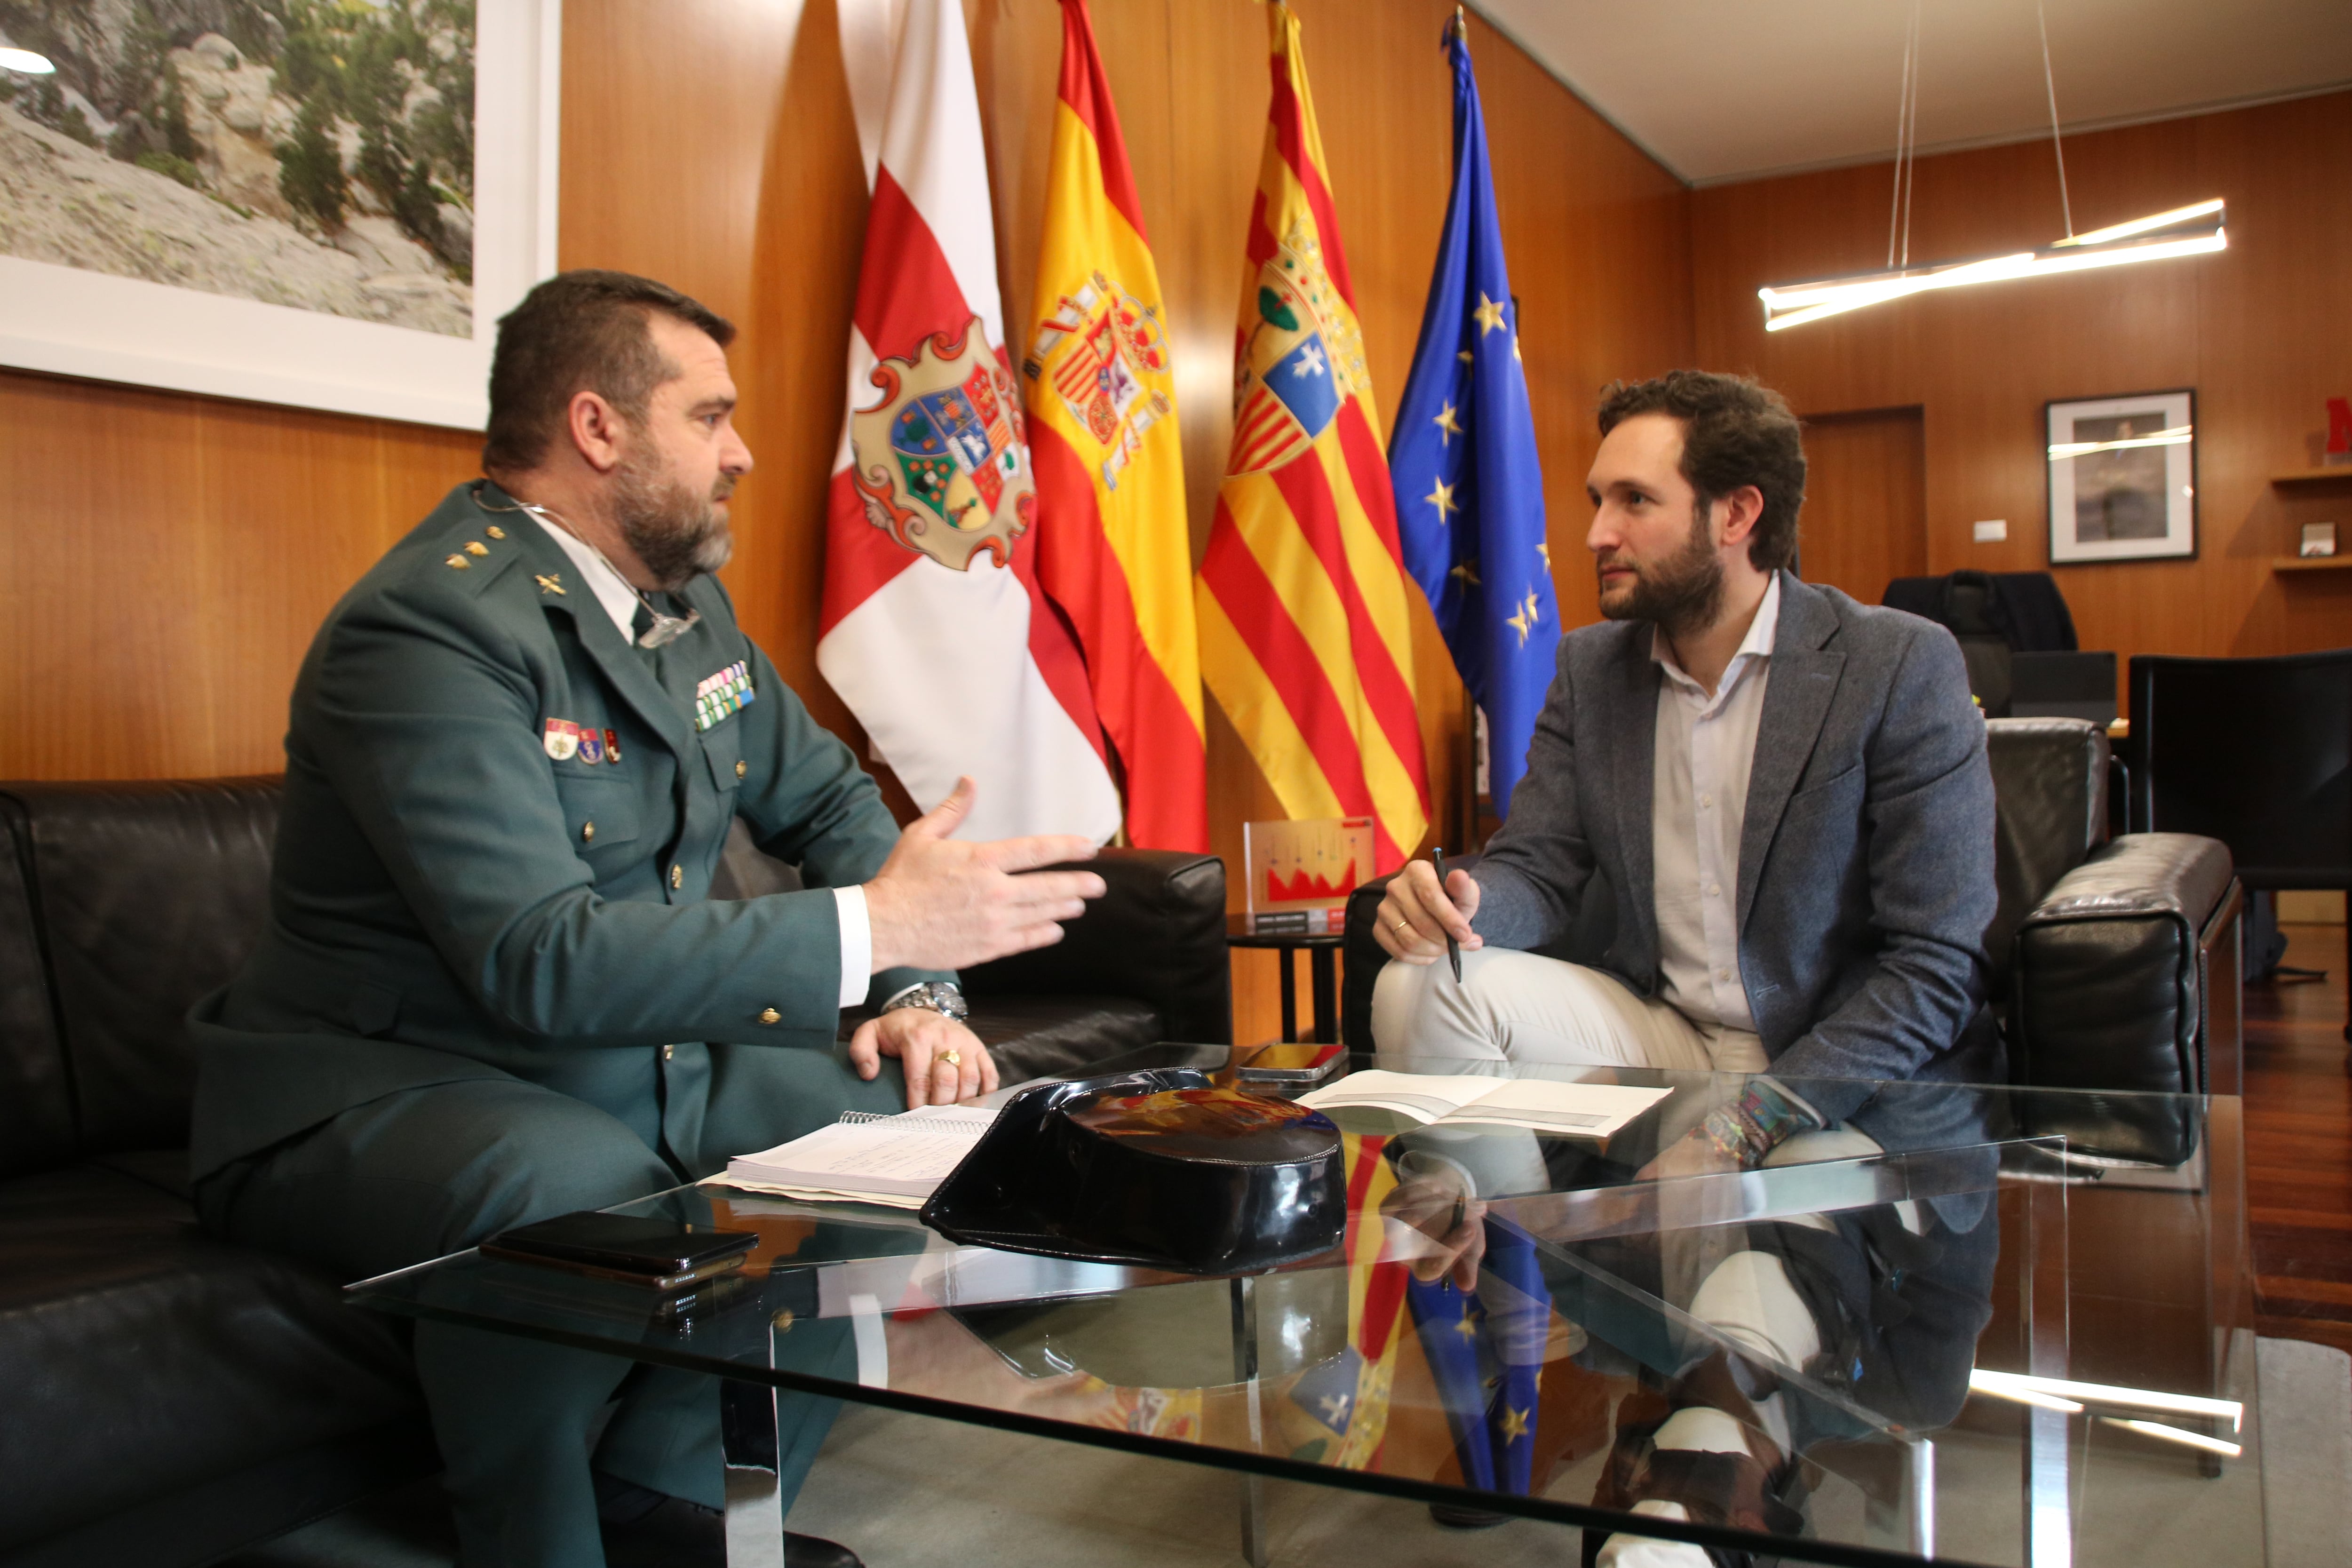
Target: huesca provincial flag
[(1303, 593), (1113, 549), (934, 629)]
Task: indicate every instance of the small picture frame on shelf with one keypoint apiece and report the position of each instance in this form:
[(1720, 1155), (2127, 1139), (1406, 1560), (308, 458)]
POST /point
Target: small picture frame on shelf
[(2318, 539), (1300, 874), (2123, 477)]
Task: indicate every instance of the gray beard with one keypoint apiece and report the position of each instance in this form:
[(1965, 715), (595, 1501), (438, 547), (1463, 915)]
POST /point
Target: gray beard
[(1681, 593), (677, 534)]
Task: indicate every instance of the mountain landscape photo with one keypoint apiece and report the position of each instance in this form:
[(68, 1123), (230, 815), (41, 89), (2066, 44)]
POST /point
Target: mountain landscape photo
[(312, 153)]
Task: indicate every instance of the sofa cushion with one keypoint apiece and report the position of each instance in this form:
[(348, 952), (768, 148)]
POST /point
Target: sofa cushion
[(37, 1125), (148, 895), (144, 1358)]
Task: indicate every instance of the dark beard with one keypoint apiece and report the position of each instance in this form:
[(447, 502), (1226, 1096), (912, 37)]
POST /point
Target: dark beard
[(1681, 593), (677, 534)]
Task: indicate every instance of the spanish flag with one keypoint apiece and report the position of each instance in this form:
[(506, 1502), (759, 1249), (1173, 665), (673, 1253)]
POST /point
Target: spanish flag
[(1302, 596), (1113, 551)]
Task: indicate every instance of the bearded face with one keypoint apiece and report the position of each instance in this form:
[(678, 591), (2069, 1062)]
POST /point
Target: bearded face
[(678, 532), (1681, 592)]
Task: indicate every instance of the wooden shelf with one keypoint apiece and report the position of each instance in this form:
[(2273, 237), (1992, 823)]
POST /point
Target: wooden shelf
[(2311, 562), (2340, 473)]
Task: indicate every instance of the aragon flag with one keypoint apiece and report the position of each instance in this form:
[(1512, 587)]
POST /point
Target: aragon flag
[(933, 628), (1112, 546), (1303, 593)]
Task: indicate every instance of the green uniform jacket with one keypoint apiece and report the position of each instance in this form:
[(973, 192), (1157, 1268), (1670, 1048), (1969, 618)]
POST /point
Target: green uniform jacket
[(442, 907)]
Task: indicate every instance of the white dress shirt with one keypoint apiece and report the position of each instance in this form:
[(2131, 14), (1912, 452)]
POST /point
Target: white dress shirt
[(620, 602), (1698, 803)]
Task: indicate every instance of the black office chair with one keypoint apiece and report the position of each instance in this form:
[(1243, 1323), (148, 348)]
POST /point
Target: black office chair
[(2255, 751), (1994, 615)]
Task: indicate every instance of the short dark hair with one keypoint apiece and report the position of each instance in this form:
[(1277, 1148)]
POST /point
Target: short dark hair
[(1736, 431), (581, 332)]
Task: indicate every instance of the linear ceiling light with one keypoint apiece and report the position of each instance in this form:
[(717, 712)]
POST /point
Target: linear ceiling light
[(2185, 231), (2010, 1384), (26, 61)]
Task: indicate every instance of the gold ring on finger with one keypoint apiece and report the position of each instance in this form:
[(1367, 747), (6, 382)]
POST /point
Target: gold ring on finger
[(1404, 926), (952, 1059)]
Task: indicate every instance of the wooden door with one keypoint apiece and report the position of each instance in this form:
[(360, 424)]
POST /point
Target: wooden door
[(1866, 517)]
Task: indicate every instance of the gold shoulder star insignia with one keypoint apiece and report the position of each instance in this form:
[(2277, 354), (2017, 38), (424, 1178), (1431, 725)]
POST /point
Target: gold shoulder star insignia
[(1489, 313), (551, 583), (1448, 427), (1514, 1423), (1442, 497)]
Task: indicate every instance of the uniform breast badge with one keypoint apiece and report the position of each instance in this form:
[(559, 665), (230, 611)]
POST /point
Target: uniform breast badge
[(721, 696), (561, 740), (611, 745), (591, 746)]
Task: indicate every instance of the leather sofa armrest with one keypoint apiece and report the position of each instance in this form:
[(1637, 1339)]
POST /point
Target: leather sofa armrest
[(1156, 935), (1361, 960), (2111, 985)]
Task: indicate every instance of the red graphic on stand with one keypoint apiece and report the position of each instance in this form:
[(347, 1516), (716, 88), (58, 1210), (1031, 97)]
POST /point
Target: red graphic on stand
[(1303, 885)]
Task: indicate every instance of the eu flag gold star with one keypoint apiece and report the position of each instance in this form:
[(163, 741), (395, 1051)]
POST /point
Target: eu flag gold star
[(1467, 572), (1489, 313), (1448, 427), (1514, 1423), (1468, 1327), (1525, 620), (1544, 550), (1442, 497)]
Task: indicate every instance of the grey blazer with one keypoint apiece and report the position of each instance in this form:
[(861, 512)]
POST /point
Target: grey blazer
[(1865, 862)]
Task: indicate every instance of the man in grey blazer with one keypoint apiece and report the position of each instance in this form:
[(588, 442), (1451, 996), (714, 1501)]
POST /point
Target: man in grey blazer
[(1785, 795)]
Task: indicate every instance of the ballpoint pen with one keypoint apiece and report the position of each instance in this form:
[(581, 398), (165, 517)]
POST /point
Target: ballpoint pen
[(1453, 948)]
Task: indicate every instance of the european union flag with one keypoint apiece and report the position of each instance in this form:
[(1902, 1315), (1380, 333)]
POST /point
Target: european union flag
[(1469, 490)]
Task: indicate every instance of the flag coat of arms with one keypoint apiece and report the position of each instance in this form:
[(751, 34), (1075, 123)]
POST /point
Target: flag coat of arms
[(1303, 594), (1113, 548), (1469, 485), (934, 627)]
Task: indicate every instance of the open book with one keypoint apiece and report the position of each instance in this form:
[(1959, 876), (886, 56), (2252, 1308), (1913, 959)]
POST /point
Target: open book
[(1376, 1100), (894, 1160)]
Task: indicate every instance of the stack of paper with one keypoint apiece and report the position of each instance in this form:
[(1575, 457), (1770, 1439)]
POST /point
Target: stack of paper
[(894, 1160), (1593, 1111)]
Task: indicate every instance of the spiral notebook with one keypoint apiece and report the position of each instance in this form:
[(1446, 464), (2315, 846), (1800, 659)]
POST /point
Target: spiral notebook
[(894, 1160)]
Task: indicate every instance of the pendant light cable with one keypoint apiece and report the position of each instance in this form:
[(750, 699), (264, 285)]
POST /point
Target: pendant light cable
[(1907, 118), (2050, 84)]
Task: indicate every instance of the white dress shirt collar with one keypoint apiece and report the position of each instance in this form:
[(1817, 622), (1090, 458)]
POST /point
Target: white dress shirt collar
[(1763, 633), (612, 589)]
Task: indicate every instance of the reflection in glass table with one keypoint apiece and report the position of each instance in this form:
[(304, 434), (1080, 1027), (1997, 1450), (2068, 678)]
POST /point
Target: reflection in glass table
[(1853, 1356)]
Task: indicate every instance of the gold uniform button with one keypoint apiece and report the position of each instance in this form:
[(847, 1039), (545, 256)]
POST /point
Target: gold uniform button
[(669, 1051), (677, 877), (587, 833), (742, 768), (476, 547), (494, 531), (459, 562), (770, 1016)]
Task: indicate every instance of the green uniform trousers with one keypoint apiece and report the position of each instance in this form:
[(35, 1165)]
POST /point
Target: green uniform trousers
[(426, 1172)]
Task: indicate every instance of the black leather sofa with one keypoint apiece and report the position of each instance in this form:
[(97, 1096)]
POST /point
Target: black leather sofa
[(2115, 961), (171, 1399)]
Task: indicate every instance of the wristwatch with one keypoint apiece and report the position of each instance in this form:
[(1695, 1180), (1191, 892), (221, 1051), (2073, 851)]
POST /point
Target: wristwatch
[(942, 996)]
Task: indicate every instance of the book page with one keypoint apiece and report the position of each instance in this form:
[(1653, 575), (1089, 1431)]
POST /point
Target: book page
[(1422, 1098), (1549, 1105), (904, 1155)]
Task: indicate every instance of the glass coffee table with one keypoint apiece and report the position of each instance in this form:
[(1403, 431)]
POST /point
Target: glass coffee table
[(2027, 1339)]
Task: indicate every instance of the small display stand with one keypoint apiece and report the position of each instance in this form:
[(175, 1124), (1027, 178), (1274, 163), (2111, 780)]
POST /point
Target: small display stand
[(1322, 946)]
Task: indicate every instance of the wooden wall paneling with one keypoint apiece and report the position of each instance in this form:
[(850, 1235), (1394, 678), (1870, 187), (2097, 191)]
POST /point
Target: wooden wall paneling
[(2262, 331), (1866, 516)]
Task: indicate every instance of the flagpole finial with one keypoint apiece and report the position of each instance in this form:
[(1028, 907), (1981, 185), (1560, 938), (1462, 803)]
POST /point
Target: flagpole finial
[(1461, 24)]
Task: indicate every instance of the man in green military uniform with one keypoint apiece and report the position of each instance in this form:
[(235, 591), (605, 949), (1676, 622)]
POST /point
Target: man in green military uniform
[(494, 988)]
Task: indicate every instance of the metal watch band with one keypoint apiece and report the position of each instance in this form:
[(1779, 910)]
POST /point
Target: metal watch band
[(942, 996)]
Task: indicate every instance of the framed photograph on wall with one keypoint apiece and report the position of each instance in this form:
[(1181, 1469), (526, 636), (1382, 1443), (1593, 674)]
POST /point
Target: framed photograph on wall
[(315, 204), (2123, 477)]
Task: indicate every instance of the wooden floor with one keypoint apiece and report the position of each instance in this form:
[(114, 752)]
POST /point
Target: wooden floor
[(2299, 1145)]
